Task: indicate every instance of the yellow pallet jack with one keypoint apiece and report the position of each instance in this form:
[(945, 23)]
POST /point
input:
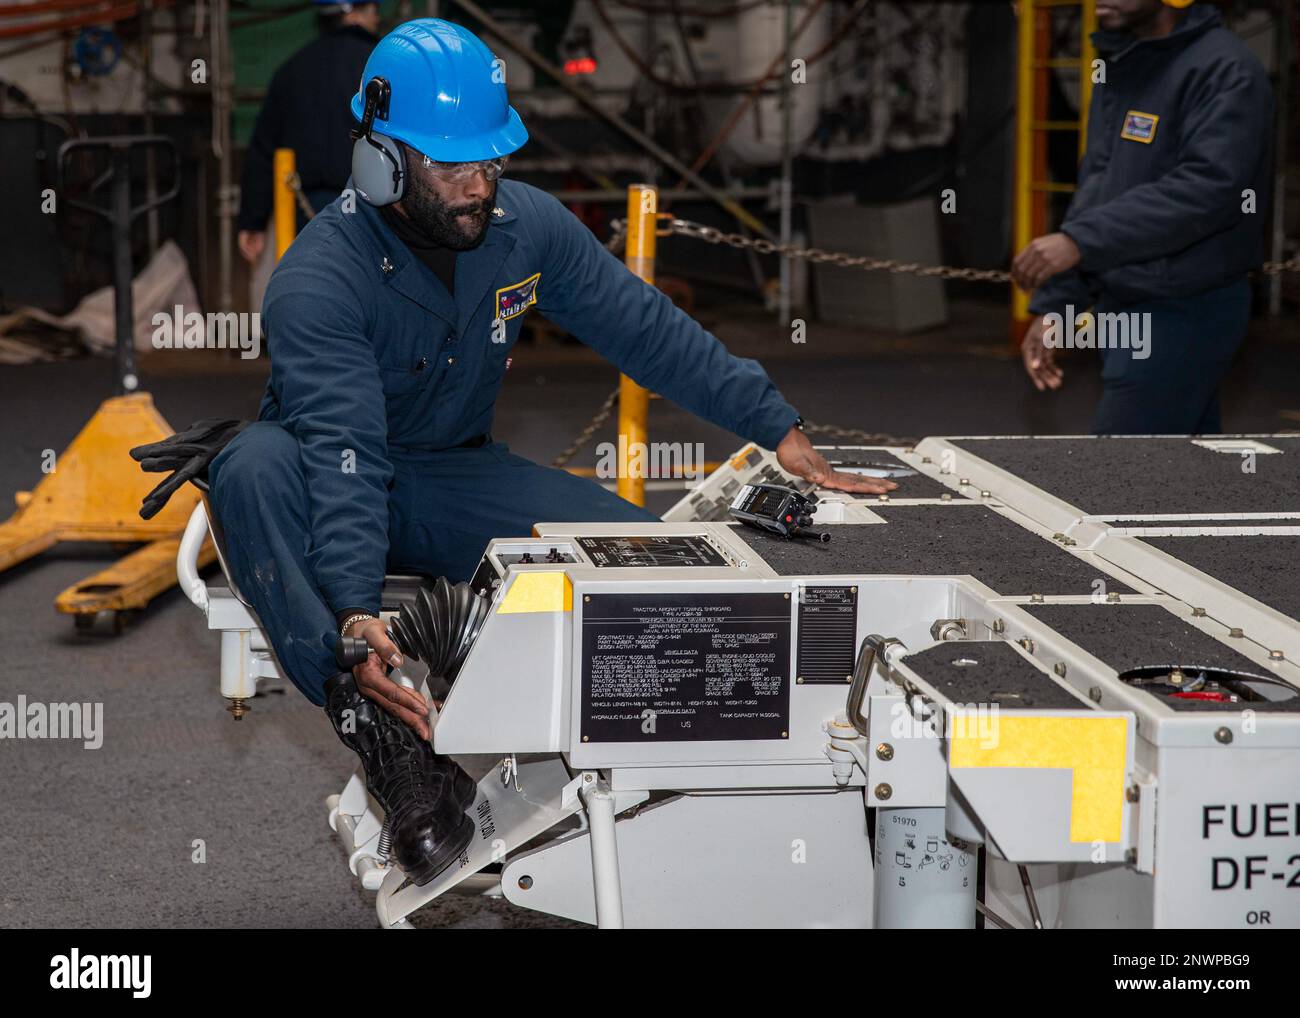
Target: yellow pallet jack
[(93, 490)]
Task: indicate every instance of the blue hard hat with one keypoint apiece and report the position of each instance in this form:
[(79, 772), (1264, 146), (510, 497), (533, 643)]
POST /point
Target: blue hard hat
[(448, 93)]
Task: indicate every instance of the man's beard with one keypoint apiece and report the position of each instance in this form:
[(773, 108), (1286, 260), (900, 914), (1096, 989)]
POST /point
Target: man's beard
[(437, 220)]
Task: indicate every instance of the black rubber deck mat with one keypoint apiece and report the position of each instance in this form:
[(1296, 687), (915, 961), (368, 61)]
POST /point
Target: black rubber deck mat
[(1131, 636), (1263, 566), (1149, 475), (990, 672), (934, 540), (915, 486)]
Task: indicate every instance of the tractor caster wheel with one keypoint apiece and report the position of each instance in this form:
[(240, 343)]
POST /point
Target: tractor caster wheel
[(105, 623), (124, 618)]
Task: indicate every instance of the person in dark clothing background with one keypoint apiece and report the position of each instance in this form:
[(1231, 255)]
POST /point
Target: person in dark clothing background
[(1167, 222), (306, 109)]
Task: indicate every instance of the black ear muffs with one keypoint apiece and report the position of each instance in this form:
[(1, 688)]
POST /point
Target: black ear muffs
[(378, 167)]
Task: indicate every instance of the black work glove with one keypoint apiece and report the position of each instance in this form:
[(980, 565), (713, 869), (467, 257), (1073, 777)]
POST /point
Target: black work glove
[(186, 454)]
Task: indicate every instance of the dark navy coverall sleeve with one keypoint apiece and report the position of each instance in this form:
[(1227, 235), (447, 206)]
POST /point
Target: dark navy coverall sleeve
[(1202, 196), (255, 197), (1070, 287), (327, 382), (588, 291)]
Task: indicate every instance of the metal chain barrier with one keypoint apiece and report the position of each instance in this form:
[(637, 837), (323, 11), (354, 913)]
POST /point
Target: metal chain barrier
[(713, 235), (1273, 268), (602, 415), (295, 185), (619, 237), (809, 428), (586, 434), (856, 436)]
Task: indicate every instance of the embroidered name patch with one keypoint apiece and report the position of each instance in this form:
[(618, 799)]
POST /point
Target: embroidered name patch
[(517, 298), (1140, 127)]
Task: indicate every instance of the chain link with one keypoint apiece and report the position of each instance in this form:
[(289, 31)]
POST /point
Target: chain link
[(854, 435), (809, 428), (713, 235), (581, 440), (619, 237), (295, 185), (615, 243), (585, 435)]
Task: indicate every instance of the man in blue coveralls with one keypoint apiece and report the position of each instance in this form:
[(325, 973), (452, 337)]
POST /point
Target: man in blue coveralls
[(389, 323), (1166, 224)]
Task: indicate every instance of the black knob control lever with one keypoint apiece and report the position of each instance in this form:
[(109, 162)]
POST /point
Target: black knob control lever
[(350, 651)]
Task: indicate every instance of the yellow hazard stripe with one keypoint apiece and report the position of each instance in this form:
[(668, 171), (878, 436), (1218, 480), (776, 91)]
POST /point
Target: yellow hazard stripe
[(1093, 749), (536, 591)]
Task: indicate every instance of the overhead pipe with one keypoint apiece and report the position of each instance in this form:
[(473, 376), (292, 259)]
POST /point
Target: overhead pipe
[(501, 33), (752, 94), (122, 12), (44, 6)]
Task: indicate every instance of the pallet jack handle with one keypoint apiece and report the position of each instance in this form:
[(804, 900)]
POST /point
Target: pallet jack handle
[(120, 214)]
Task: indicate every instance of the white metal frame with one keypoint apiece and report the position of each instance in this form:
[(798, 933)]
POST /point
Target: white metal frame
[(601, 788)]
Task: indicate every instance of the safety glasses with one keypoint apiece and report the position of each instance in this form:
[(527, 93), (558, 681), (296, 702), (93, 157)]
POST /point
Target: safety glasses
[(460, 173)]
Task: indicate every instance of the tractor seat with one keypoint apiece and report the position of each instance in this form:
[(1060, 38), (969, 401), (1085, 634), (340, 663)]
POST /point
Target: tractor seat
[(398, 589)]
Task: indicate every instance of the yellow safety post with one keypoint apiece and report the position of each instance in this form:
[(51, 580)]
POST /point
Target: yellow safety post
[(1086, 56), (633, 400), (286, 213), (1034, 62)]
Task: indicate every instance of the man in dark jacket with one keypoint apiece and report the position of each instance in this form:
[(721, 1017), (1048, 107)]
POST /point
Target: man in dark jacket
[(306, 110), (1166, 224)]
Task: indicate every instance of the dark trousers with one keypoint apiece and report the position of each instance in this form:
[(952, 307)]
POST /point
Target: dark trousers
[(444, 507), (1174, 390)]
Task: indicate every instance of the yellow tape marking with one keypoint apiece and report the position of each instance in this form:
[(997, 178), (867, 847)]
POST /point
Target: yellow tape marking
[(538, 592), (1093, 749)]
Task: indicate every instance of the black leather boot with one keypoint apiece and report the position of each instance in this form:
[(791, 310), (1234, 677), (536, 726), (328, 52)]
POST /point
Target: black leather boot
[(424, 796)]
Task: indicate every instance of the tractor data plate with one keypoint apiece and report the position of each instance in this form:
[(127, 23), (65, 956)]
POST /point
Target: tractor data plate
[(677, 667)]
